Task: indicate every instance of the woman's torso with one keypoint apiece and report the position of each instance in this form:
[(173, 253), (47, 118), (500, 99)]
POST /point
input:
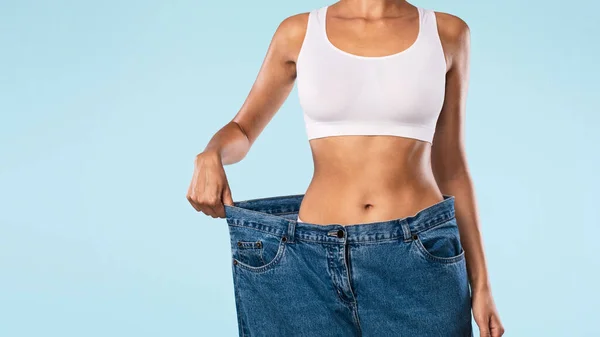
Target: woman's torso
[(362, 105)]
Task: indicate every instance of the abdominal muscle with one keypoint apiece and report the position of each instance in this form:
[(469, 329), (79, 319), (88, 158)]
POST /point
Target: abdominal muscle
[(362, 179)]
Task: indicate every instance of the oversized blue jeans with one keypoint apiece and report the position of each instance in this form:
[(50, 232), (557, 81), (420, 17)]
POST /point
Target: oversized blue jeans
[(403, 277)]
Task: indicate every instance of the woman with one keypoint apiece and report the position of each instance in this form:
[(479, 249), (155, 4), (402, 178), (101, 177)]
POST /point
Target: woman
[(386, 239)]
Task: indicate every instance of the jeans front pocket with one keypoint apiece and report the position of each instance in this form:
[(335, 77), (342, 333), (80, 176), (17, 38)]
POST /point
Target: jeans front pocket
[(255, 250), (250, 252), (441, 243)]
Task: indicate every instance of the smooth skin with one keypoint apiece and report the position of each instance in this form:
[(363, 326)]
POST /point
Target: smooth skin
[(357, 178)]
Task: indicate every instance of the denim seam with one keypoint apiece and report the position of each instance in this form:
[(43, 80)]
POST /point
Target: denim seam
[(347, 268), (284, 213), (299, 238), (394, 239), (248, 245), (340, 296), (405, 231), (276, 233), (437, 259), (436, 224), (258, 225), (241, 325), (337, 290), (357, 243), (288, 196), (291, 231), (357, 319), (272, 264)]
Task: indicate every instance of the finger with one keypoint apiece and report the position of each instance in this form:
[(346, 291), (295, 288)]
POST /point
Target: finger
[(219, 210), (193, 203), (216, 205), (219, 207), (198, 203), (227, 198), (496, 328), (209, 210), (484, 327), (209, 203), (203, 205)]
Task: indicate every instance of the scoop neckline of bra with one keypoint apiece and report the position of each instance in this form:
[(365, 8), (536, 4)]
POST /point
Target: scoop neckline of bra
[(362, 57)]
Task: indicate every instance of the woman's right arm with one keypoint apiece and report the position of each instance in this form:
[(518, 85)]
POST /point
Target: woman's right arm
[(209, 189)]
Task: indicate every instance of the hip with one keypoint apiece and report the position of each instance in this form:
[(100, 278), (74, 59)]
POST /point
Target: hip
[(405, 276)]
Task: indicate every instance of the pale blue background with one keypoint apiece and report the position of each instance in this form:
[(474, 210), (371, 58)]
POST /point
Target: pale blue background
[(104, 105)]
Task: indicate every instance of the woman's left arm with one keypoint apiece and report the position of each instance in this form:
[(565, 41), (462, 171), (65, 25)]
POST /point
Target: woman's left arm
[(449, 165)]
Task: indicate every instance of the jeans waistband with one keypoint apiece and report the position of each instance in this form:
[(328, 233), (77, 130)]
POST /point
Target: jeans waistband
[(278, 216)]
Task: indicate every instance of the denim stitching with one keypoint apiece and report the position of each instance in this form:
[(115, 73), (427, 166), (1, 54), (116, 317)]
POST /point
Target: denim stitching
[(340, 296), (268, 266), (248, 245), (437, 259), (337, 290), (241, 325), (438, 222), (442, 260), (441, 219), (357, 319), (275, 233)]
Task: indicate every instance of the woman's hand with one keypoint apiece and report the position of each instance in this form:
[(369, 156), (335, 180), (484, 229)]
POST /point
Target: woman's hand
[(485, 314), (209, 189)]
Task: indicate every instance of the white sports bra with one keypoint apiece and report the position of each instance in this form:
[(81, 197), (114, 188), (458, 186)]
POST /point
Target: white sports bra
[(346, 94)]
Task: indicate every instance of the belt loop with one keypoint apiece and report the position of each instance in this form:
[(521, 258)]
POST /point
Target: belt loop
[(406, 230), (291, 230)]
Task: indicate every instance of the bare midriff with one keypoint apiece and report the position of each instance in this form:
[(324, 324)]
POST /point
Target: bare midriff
[(362, 179)]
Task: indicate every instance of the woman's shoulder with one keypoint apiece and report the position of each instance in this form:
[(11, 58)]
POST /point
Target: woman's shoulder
[(454, 34), (290, 34), (294, 26), (451, 27)]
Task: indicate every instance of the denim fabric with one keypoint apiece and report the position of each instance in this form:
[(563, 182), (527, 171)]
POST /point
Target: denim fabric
[(401, 277)]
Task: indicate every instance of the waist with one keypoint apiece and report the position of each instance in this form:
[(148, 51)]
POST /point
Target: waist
[(277, 215), (366, 179), (369, 157), (330, 202)]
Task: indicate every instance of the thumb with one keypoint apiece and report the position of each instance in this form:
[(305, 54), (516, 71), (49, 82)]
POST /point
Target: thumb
[(496, 327), (227, 199)]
